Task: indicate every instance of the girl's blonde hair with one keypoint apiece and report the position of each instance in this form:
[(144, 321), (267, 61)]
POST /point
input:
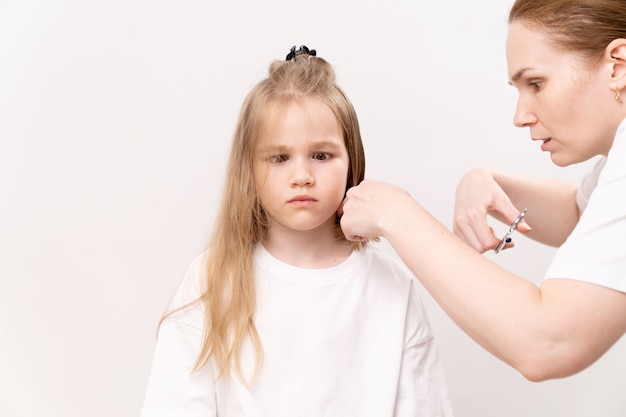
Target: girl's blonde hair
[(228, 293), (583, 27)]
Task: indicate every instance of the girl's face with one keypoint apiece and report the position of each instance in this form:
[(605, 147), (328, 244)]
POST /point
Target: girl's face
[(569, 107), (301, 167)]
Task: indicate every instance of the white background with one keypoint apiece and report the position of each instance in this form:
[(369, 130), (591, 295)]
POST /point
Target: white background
[(115, 122)]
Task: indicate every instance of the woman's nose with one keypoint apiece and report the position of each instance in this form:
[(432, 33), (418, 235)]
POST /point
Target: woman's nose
[(523, 116)]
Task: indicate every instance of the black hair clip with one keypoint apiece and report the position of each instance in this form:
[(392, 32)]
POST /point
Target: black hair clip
[(302, 51)]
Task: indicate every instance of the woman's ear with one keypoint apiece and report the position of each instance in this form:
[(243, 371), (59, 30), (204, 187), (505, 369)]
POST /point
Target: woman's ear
[(616, 55)]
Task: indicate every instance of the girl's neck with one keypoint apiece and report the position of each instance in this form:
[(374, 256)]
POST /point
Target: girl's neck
[(311, 249)]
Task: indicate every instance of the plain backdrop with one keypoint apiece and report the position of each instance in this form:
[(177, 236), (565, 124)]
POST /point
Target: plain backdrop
[(115, 121)]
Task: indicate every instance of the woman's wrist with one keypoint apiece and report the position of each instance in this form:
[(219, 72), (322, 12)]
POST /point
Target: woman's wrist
[(402, 211)]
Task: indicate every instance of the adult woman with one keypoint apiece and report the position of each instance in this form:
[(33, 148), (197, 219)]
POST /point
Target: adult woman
[(568, 61)]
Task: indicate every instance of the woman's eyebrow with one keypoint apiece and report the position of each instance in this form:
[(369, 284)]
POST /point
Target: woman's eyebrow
[(518, 75)]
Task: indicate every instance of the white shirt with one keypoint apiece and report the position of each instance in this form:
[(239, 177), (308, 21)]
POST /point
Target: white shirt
[(596, 249), (352, 340)]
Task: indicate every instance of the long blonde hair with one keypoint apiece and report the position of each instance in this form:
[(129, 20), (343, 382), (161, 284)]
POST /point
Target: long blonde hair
[(228, 296)]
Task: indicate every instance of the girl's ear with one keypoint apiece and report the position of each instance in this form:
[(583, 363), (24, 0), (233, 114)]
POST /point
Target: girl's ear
[(616, 55)]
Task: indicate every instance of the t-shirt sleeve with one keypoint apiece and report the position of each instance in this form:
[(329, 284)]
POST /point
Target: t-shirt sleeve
[(422, 387), (594, 252), (173, 389)]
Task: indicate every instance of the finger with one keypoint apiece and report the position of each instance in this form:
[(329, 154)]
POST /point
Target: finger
[(523, 227), (485, 237), (468, 234), (493, 241), (464, 233), (510, 213), (463, 229), (340, 208), (356, 238), (508, 245)]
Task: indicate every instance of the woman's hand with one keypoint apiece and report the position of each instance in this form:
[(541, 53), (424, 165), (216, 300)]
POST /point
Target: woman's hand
[(477, 195), (370, 207)]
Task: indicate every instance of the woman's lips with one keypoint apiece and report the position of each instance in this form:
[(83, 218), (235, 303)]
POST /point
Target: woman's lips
[(544, 145)]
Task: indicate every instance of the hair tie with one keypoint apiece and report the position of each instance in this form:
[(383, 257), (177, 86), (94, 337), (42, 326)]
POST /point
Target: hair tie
[(303, 50)]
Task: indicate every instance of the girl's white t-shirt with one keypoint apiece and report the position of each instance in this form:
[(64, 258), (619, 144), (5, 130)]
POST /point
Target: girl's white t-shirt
[(352, 340)]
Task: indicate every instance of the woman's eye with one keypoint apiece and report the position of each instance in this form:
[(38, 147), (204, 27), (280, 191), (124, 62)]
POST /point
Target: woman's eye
[(536, 85), (320, 156), (277, 159)]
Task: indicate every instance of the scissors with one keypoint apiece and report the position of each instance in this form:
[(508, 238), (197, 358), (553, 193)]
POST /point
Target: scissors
[(507, 237)]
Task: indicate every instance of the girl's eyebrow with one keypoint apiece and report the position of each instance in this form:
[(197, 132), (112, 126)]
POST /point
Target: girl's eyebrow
[(284, 148), (273, 148), (325, 143)]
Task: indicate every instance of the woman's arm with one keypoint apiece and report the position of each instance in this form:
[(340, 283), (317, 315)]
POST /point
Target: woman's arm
[(548, 332)]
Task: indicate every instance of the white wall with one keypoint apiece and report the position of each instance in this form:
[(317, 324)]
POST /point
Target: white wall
[(115, 121)]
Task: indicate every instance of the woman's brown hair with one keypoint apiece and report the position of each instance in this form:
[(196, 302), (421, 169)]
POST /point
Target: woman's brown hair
[(583, 27)]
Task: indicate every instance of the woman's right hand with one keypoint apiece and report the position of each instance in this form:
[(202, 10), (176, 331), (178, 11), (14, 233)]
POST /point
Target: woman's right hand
[(368, 206), (478, 195)]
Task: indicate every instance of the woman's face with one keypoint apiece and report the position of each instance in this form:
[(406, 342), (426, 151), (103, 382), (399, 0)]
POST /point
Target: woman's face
[(568, 106)]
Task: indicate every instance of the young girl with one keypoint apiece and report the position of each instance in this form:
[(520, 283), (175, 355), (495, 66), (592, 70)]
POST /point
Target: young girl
[(567, 59), (282, 316)]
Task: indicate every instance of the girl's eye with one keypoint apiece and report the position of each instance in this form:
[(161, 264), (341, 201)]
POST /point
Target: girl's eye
[(536, 85), (277, 159), (320, 156)]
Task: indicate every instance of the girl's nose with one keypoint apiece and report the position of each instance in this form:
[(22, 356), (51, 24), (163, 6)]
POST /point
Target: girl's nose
[(302, 175)]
